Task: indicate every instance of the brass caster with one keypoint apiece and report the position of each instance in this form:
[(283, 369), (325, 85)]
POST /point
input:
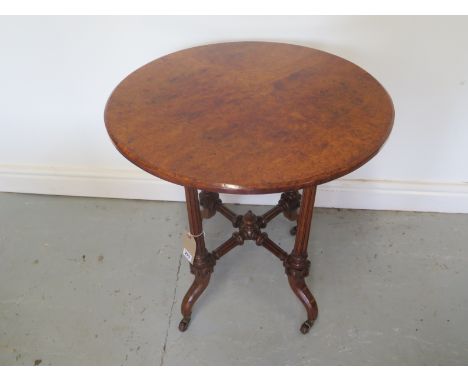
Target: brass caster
[(305, 327), (293, 230), (184, 323)]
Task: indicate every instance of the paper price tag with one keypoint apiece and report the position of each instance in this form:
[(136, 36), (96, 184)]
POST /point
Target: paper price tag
[(190, 247)]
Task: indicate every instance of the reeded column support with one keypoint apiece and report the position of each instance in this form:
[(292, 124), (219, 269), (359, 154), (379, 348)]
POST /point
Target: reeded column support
[(297, 265), (249, 228), (203, 262)]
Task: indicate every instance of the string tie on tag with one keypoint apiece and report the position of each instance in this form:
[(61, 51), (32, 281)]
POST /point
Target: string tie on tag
[(194, 236)]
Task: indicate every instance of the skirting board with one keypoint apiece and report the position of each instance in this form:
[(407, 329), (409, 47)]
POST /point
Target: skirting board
[(136, 184)]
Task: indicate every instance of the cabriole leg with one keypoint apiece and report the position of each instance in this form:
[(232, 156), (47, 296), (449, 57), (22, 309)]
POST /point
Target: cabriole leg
[(203, 262), (297, 265)]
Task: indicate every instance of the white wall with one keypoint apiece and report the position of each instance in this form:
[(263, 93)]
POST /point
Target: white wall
[(57, 72)]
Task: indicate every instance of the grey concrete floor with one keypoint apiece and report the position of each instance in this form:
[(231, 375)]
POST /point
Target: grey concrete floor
[(87, 281)]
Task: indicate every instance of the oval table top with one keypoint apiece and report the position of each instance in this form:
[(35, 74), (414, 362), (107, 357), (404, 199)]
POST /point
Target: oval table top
[(249, 117)]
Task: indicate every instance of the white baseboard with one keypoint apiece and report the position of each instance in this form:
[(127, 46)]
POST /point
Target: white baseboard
[(136, 184)]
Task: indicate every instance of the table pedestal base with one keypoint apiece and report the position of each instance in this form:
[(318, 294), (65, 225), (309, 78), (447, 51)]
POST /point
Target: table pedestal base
[(249, 227)]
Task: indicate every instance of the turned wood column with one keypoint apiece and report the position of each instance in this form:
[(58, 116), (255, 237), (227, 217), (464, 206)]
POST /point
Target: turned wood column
[(297, 265), (203, 262)]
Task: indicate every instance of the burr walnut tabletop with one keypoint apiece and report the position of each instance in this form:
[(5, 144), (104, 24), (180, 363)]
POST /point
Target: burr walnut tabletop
[(249, 117)]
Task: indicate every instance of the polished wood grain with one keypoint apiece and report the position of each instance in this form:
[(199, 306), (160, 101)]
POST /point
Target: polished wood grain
[(249, 117)]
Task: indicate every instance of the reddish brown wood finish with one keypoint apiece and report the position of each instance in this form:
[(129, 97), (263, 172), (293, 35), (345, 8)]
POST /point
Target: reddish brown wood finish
[(203, 262), (249, 117), (249, 225), (297, 265)]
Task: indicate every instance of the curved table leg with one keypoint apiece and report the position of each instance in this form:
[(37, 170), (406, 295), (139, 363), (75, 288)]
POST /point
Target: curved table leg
[(301, 290), (203, 262), (196, 289), (297, 265)]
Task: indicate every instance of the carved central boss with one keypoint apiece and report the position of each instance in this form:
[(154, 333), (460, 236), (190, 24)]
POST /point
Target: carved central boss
[(249, 228), (250, 225)]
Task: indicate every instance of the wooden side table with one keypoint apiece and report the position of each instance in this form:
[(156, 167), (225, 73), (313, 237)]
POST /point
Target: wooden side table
[(249, 118)]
